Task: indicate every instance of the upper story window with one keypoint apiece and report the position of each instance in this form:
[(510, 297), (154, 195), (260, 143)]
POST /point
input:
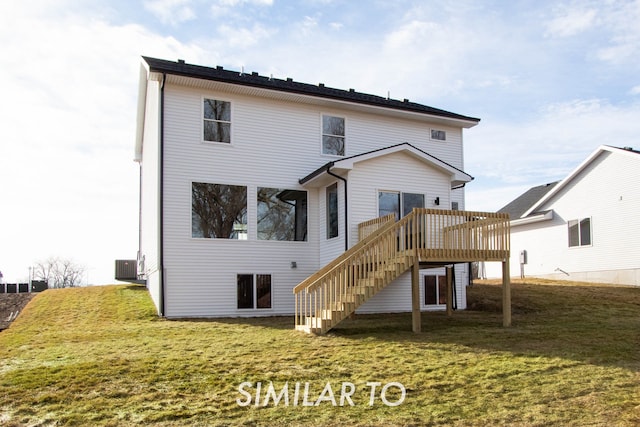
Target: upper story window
[(333, 137), (217, 121), (579, 232), (282, 214), (438, 135), (218, 211)]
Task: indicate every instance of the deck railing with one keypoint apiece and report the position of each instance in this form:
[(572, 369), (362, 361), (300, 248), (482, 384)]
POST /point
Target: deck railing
[(387, 248), (367, 227), (462, 236)]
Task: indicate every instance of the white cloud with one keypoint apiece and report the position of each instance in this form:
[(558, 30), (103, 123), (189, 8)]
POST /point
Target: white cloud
[(571, 21), (635, 90), (172, 12), (232, 3), (244, 37), (516, 156), (222, 8), (69, 185)]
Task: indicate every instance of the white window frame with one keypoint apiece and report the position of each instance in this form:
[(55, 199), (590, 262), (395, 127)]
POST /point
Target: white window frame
[(255, 292), (322, 134), (400, 199), (243, 234), (328, 213), (432, 130), (202, 120), (579, 223), (438, 277)]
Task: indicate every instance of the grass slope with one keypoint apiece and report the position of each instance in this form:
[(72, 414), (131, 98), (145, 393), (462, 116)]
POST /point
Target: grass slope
[(99, 356)]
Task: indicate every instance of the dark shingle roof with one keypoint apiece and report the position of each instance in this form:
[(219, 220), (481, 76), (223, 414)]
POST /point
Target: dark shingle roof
[(255, 80), (524, 202)]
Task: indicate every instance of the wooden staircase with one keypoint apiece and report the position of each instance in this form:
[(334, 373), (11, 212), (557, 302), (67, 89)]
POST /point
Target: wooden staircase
[(388, 248)]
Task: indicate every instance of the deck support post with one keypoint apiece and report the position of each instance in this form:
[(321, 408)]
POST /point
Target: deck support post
[(415, 298), (506, 294), (449, 276)]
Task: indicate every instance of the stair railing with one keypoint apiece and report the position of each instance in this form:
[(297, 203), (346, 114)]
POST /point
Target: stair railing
[(387, 249)]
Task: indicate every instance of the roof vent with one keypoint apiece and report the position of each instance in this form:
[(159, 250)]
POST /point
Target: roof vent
[(405, 100), (352, 90), (254, 73), (320, 84), (180, 61), (289, 79), (219, 67)]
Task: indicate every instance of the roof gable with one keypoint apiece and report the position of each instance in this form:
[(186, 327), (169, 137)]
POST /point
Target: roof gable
[(627, 151), (254, 80), (458, 177), (517, 207)]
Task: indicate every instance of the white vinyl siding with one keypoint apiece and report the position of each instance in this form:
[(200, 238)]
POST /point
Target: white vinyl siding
[(202, 273), (274, 145), (150, 193), (411, 176), (605, 192)]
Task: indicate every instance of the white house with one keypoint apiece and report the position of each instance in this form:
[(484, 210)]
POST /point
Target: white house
[(583, 227), (249, 184)]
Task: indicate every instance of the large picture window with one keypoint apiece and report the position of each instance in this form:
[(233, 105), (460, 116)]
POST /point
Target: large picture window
[(333, 136), (254, 291), (332, 211), (580, 232), (217, 121), (282, 214), (218, 211)]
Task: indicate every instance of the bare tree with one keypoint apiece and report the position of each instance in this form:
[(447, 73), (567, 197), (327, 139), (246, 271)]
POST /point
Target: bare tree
[(58, 272)]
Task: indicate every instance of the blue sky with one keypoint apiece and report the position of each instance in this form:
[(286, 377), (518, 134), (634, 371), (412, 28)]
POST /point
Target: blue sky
[(551, 81)]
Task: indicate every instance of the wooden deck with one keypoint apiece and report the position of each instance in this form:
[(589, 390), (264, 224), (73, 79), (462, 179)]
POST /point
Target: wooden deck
[(387, 248)]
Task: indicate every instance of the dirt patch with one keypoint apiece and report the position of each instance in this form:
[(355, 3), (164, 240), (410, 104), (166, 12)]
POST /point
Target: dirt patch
[(10, 306)]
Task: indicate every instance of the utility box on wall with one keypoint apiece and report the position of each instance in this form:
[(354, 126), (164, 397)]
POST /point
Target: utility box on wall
[(523, 256)]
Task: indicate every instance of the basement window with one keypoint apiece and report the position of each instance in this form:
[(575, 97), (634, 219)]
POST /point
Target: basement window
[(254, 291), (435, 290)]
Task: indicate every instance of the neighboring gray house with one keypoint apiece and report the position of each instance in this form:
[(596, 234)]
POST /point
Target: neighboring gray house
[(251, 184), (583, 227)]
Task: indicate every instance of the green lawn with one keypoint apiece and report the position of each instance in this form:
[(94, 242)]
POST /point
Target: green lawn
[(99, 356)]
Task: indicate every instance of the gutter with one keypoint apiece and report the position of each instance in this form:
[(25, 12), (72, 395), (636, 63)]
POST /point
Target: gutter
[(539, 217), (346, 211)]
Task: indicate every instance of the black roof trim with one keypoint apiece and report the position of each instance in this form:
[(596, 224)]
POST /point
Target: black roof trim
[(253, 79), (329, 165)]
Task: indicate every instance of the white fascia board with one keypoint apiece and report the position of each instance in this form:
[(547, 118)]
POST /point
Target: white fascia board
[(455, 174), (142, 104), (545, 216)]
